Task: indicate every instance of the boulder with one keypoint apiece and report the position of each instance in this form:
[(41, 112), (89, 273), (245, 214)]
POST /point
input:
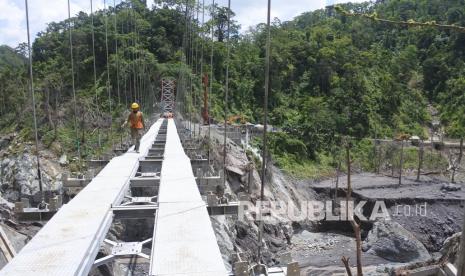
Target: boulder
[(63, 160), (390, 241), (19, 176)]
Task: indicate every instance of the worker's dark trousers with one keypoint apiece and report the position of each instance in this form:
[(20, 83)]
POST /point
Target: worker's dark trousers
[(136, 135)]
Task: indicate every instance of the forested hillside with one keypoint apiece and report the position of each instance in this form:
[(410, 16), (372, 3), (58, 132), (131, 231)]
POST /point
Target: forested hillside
[(331, 75), (334, 75), (142, 45), (10, 58)]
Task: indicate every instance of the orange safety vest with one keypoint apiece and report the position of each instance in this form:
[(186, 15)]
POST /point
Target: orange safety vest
[(136, 120)]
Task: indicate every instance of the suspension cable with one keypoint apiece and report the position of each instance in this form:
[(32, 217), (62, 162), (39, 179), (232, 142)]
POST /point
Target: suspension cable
[(136, 93), (141, 62), (72, 81), (226, 91), (108, 74), (116, 53), (191, 56), (202, 44), (181, 76), (196, 64), (99, 143), (184, 37), (129, 65), (265, 126), (31, 90), (138, 62), (126, 90), (126, 71), (188, 19), (188, 64), (123, 44), (195, 58), (143, 83), (192, 18), (212, 77)]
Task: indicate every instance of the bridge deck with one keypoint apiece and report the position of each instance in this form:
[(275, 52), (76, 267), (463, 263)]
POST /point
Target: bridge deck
[(69, 242), (185, 243)]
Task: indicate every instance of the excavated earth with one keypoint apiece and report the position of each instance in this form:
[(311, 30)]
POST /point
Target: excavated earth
[(426, 213), (422, 215), (431, 209)]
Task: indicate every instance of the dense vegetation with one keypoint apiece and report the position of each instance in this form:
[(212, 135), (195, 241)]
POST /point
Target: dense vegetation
[(334, 75), (9, 58), (148, 45), (331, 76)]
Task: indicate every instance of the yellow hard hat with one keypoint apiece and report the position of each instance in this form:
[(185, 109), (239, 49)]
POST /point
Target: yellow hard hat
[(135, 106)]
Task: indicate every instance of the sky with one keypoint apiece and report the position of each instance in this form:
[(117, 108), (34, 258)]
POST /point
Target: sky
[(248, 13)]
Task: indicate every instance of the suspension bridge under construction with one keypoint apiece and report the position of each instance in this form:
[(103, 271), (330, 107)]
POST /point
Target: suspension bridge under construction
[(168, 184), (183, 241), (148, 211), (160, 184)]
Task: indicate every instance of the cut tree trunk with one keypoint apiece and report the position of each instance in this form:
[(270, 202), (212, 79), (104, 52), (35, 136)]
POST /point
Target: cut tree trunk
[(432, 145), (349, 187), (375, 154), (420, 159), (358, 241), (345, 261), (380, 150), (338, 169), (401, 165), (394, 149), (460, 153), (456, 166), (354, 224)]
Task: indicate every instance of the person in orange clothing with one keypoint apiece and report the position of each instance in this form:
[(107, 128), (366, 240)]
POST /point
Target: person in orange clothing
[(137, 124)]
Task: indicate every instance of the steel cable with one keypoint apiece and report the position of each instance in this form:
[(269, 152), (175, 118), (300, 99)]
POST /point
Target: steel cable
[(34, 114), (211, 80), (116, 53), (265, 127), (201, 55), (226, 92), (73, 84), (191, 63), (108, 74), (99, 142), (136, 92), (196, 71)]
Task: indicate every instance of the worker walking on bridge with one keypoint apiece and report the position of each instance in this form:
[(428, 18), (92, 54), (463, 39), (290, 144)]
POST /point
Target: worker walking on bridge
[(137, 124)]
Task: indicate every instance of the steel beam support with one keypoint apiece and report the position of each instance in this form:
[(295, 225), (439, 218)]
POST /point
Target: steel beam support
[(134, 211), (69, 242)]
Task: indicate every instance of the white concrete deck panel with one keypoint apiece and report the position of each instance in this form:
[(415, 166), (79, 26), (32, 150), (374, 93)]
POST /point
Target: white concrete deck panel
[(185, 243), (68, 244)]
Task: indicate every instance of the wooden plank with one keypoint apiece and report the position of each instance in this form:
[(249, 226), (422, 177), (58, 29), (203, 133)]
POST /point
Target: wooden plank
[(5, 245)]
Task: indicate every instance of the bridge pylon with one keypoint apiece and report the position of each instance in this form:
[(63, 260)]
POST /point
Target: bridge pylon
[(168, 96)]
